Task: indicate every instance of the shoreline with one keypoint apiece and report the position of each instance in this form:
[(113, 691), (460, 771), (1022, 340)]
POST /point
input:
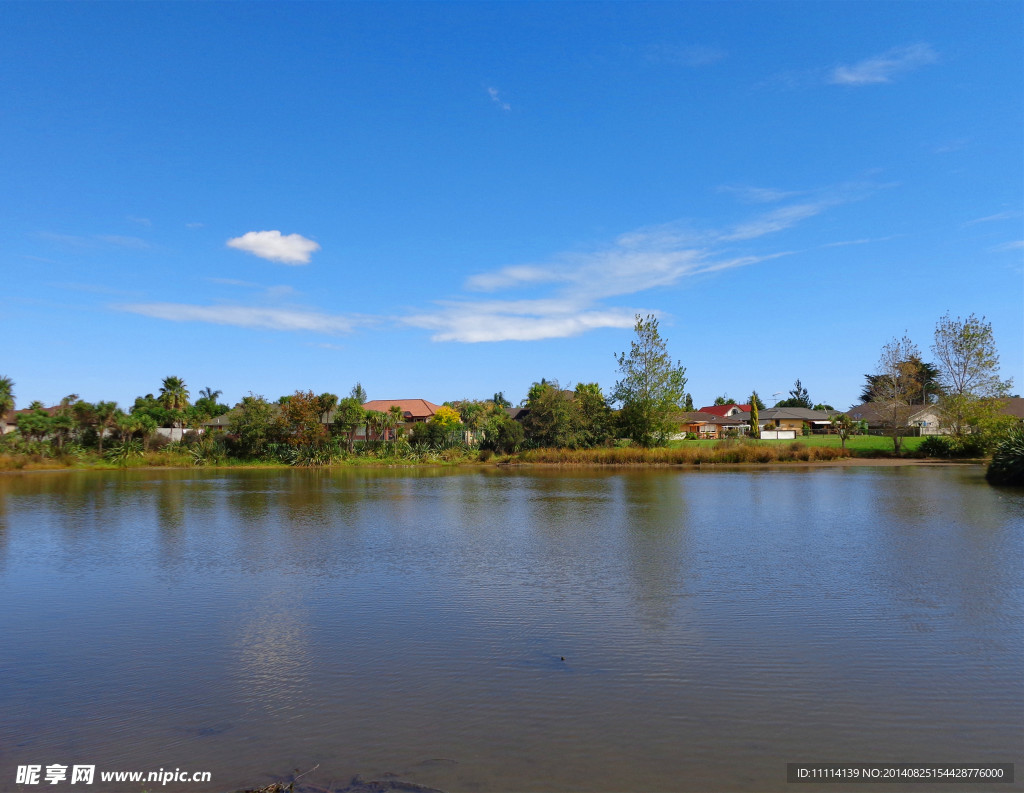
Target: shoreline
[(841, 462)]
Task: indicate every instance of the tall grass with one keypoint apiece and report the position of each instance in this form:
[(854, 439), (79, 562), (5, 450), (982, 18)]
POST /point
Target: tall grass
[(722, 453)]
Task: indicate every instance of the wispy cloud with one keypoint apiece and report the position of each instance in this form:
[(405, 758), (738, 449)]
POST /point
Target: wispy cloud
[(581, 291), (882, 68), (123, 242), (864, 241), (139, 221), (194, 225), (1011, 214), (1015, 245), (758, 195), (290, 319), (496, 98), (95, 240), (777, 220), (291, 249)]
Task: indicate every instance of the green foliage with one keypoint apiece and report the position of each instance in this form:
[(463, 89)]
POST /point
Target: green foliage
[(845, 427), (1007, 466), (550, 420), (652, 389), (252, 426), (936, 446), (798, 397), (755, 406), (123, 453), (358, 393), (969, 373), (6, 400), (348, 416), (502, 434), (724, 400)]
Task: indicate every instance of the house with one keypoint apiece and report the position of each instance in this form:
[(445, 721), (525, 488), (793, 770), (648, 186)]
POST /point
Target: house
[(791, 420), (12, 416), (704, 424), (920, 419), (725, 411), (414, 411)]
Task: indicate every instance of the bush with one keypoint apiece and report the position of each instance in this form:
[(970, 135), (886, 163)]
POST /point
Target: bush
[(936, 446), (1007, 466), (485, 455)]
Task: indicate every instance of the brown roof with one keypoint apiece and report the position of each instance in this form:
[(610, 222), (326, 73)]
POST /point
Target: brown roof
[(1014, 407), (411, 408)]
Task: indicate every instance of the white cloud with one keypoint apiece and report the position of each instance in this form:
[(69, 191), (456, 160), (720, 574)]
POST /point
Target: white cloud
[(245, 316), (758, 195), (140, 221), (276, 247), (468, 322), (496, 98), (1008, 215), (1016, 245), (882, 68), (777, 220)]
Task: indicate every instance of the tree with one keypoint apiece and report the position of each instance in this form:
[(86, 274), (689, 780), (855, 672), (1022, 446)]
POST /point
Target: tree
[(651, 390), (725, 399), (798, 397), (927, 378), (499, 400), (688, 403), (174, 397), (348, 416), (550, 420), (358, 393), (844, 427), (299, 420), (502, 434), (6, 401), (593, 415), (897, 383), (755, 405), (106, 419), (759, 404), (252, 425), (328, 402), (969, 373)]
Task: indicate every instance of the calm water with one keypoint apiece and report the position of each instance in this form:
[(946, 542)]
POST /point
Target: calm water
[(714, 626)]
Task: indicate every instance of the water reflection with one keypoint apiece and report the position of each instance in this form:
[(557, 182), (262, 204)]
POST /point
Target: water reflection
[(539, 630)]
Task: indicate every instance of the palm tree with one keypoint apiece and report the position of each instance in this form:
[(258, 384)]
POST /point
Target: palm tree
[(395, 420), (6, 401), (174, 395), (210, 394), (106, 418)]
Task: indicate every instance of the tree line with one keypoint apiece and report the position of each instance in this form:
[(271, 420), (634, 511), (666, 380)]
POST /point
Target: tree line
[(650, 395)]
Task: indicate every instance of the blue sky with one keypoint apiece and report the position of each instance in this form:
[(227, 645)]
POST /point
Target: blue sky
[(449, 200)]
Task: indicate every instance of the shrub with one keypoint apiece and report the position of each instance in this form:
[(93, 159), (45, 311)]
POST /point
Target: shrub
[(485, 455), (1007, 466), (935, 446)]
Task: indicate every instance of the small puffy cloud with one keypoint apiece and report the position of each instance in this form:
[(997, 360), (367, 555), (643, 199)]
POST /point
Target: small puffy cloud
[(882, 68), (275, 246), (245, 316)]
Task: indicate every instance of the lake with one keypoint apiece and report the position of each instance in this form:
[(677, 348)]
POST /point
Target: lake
[(510, 630)]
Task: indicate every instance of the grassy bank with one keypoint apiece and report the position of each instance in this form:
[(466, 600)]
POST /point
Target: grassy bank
[(695, 452)]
